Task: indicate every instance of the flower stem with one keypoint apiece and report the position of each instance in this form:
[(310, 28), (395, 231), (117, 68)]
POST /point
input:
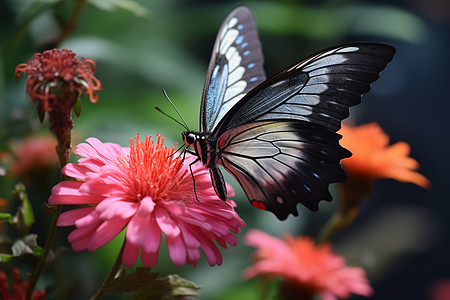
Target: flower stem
[(43, 259), (337, 222), (63, 152), (111, 275), (71, 23)]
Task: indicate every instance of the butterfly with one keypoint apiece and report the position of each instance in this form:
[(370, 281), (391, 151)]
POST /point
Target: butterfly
[(277, 137)]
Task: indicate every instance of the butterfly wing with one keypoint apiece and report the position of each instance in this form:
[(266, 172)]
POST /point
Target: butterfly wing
[(319, 89), (236, 67), (279, 164), (279, 141)]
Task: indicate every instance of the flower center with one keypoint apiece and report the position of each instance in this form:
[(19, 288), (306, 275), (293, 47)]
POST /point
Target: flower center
[(152, 169)]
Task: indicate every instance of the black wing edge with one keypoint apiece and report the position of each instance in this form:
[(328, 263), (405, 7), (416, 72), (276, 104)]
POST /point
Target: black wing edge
[(286, 180), (346, 83)]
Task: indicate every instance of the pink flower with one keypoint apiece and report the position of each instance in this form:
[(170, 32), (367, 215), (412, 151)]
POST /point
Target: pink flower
[(147, 190), (311, 268), (440, 290)]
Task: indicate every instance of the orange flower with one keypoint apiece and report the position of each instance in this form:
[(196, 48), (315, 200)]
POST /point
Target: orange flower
[(307, 268), (374, 158)]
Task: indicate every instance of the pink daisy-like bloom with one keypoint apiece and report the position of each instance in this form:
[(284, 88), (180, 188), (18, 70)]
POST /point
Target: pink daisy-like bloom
[(147, 190), (306, 268)]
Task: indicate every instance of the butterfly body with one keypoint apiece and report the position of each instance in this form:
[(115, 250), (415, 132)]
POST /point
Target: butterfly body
[(277, 137)]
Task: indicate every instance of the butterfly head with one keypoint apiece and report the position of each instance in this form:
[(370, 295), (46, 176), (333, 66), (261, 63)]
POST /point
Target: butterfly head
[(189, 137)]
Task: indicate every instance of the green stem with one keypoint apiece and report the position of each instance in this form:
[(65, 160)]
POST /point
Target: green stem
[(63, 152), (43, 259), (71, 23), (337, 222), (111, 275)]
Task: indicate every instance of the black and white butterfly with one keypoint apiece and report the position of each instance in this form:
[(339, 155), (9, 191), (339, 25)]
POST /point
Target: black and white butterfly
[(278, 137)]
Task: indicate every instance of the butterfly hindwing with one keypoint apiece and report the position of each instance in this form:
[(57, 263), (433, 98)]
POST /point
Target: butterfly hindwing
[(236, 67), (279, 164), (319, 89)]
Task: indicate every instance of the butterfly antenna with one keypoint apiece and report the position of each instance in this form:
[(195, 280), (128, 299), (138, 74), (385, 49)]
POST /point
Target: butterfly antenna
[(174, 107), (169, 116)]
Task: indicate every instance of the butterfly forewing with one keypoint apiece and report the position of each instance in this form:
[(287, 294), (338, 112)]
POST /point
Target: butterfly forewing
[(235, 68), (319, 89), (279, 164), (278, 137)]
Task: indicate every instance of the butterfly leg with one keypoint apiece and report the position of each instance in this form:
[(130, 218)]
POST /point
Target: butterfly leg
[(192, 174)]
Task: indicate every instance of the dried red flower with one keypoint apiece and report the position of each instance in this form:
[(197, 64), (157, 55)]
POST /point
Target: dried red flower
[(53, 73), (55, 79), (19, 288)]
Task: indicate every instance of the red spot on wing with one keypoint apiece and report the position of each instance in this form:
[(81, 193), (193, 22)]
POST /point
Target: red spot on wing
[(258, 204), (221, 143)]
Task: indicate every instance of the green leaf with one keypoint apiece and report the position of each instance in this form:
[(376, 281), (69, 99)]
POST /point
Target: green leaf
[(131, 282), (5, 257), (6, 217), (41, 111), (77, 108), (147, 286), (181, 286), (128, 5), (24, 217), (167, 288)]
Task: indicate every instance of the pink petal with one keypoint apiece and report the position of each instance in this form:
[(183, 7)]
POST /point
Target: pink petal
[(107, 150), (75, 171), (328, 296), (68, 187), (67, 192), (130, 254), (211, 252), (143, 231), (165, 222), (89, 220), (149, 259), (153, 236), (79, 238), (106, 232), (115, 207), (177, 250), (189, 237), (193, 255), (69, 218), (100, 187), (259, 239)]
